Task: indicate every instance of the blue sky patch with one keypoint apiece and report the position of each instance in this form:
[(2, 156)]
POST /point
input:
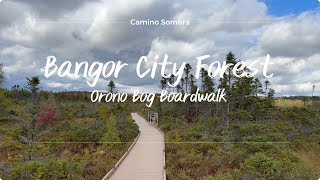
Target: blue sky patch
[(287, 7)]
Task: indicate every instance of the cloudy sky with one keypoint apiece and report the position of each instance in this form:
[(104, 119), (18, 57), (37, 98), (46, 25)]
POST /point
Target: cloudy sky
[(100, 30)]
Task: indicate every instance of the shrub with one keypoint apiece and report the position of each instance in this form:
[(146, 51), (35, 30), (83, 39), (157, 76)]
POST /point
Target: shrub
[(241, 115), (58, 169), (29, 170), (46, 116), (262, 166)]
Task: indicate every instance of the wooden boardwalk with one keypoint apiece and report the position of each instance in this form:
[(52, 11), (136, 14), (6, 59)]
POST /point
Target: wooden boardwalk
[(146, 159)]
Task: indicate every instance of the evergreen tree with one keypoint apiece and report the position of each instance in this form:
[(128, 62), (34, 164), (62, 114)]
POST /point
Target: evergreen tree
[(266, 83), (178, 87), (182, 85), (230, 59), (257, 87), (171, 81), (2, 75), (242, 89), (163, 83), (227, 81), (208, 84), (203, 73), (187, 71), (33, 86), (193, 87), (111, 86), (271, 94)]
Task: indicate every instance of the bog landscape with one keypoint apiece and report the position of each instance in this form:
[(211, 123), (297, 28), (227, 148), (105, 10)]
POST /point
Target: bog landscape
[(63, 135), (156, 90)]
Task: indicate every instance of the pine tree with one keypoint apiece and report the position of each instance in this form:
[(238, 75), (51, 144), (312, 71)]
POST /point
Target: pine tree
[(208, 84), (111, 86), (230, 59), (267, 83), (2, 75), (33, 86), (182, 85), (178, 87), (270, 96), (227, 81), (242, 89), (271, 93), (193, 87), (203, 73), (171, 81), (257, 87), (163, 83), (187, 71)]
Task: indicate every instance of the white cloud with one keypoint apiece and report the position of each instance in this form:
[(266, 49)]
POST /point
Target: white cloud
[(294, 36), (111, 30), (58, 85), (179, 51), (234, 16), (32, 30), (10, 12), (49, 9), (18, 59), (296, 89)]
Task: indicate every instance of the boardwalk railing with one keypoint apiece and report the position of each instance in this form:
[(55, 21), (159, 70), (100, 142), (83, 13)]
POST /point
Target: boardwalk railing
[(109, 174)]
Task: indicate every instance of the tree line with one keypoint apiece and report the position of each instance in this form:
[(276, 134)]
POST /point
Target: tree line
[(241, 92)]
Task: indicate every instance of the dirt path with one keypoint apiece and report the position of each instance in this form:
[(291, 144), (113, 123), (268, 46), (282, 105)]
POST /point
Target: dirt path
[(145, 161)]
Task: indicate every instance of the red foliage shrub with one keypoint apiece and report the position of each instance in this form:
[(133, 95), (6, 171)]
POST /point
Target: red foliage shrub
[(46, 116)]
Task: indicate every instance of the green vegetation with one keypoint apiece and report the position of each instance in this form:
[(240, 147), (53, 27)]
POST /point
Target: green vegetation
[(63, 135), (249, 137), (283, 147), (46, 135)]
